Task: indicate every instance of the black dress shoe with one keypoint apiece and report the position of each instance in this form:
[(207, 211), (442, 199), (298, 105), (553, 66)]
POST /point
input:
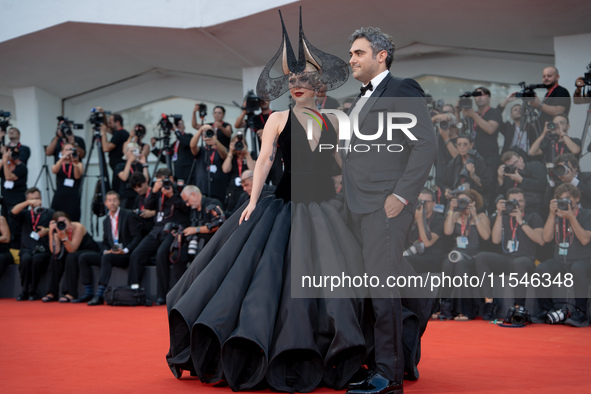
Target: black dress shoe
[(96, 300), (34, 297), (377, 384), (23, 296), (84, 298), (160, 301), (359, 377)]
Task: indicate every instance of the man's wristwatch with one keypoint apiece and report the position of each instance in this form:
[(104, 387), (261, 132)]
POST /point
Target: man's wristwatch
[(64, 239), (198, 229)]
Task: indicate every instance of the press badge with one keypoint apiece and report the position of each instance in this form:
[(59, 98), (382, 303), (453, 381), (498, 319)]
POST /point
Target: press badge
[(213, 168), (69, 182), (8, 184), (34, 235), (462, 242), (159, 216), (512, 246), (175, 157), (563, 248), (439, 208), (238, 181)]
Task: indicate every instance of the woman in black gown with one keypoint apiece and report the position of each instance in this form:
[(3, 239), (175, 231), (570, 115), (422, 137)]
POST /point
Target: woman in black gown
[(239, 311)]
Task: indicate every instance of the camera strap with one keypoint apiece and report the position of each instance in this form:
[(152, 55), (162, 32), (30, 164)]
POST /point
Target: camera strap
[(561, 149), (69, 172), (513, 230)]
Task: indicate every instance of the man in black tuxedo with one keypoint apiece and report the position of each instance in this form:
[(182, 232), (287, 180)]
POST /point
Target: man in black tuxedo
[(122, 233), (381, 188)]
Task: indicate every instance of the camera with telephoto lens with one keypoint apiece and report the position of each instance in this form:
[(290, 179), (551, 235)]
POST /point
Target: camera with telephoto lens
[(202, 110), (65, 125), (510, 206), (116, 247), (166, 184), (239, 144), (472, 156), (517, 316), (140, 131), (74, 153), (466, 101), (98, 118), (510, 169), (557, 316), (172, 227), (61, 225), (416, 248), (39, 210), (4, 120), (209, 133), (563, 204), (462, 205), (455, 256), (219, 220), (528, 91), (252, 101), (14, 153), (561, 170), (165, 122)]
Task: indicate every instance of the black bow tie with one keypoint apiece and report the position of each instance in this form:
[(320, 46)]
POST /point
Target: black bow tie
[(365, 88)]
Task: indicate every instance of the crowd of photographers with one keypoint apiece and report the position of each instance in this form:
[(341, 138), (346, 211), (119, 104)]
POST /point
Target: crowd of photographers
[(488, 208)]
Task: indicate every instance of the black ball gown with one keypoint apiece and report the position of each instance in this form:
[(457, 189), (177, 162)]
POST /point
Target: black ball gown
[(233, 315)]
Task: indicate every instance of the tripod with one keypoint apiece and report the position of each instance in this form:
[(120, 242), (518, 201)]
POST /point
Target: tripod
[(166, 151), (48, 181), (586, 130), (254, 138), (104, 175), (530, 119)]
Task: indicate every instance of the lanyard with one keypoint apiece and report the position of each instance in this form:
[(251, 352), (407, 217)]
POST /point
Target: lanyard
[(482, 116), (240, 164), (561, 149), (551, 90), (464, 225), (68, 173), (513, 230), (212, 156), (323, 103), (34, 222), (176, 147), (144, 199), (263, 121)]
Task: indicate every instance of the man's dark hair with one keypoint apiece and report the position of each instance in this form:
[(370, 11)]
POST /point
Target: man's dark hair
[(378, 40), (113, 193), (567, 188), (467, 136), (220, 107), (484, 90), (60, 214), (176, 121), (565, 116), (136, 179), (430, 192), (568, 158), (32, 190), (514, 190), (508, 155), (118, 118), (163, 172)]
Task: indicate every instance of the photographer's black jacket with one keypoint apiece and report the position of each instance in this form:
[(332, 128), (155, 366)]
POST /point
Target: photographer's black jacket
[(453, 178), (584, 187), (26, 220), (184, 156), (129, 233), (173, 209), (534, 183)]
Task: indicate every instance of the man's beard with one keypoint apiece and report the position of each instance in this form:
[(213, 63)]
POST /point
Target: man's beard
[(548, 85)]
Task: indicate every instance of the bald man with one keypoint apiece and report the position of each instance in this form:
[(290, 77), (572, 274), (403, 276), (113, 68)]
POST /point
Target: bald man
[(556, 101)]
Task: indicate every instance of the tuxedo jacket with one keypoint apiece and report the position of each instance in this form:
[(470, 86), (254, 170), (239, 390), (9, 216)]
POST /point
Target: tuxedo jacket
[(369, 177), (129, 234)]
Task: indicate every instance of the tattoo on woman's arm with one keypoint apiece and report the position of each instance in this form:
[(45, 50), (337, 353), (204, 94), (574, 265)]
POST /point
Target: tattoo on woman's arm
[(272, 157)]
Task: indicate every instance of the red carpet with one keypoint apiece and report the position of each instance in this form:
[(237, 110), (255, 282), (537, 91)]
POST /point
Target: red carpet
[(72, 348)]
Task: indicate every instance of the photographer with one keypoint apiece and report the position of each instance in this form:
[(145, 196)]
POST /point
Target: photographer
[(13, 175), (246, 183), (136, 163), (445, 124), (555, 141), (139, 184), (425, 245), (517, 233), (529, 177), (237, 161), (516, 139), (468, 225), (566, 170), (6, 259), (14, 137), (136, 135), (557, 99), (467, 167), (182, 156), (68, 170), (121, 234), (210, 156), (34, 248), (486, 126), (114, 146), (64, 134), (67, 241), (570, 228), (579, 97), (170, 208), (206, 216)]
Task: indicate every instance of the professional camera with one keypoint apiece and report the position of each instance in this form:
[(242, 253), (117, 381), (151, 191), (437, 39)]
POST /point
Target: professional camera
[(462, 205), (166, 184), (239, 144), (137, 211), (39, 249), (455, 256), (170, 227), (416, 248), (528, 91), (420, 204), (39, 210), (4, 120), (165, 122), (557, 316), (217, 221), (140, 131), (561, 170), (74, 153), (65, 126), (466, 101), (202, 110), (61, 226), (510, 169), (14, 153), (209, 133), (472, 156), (510, 206), (252, 101), (564, 204), (517, 316), (116, 247), (98, 118), (462, 188)]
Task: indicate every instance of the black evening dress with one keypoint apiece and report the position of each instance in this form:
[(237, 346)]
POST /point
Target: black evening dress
[(232, 315)]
